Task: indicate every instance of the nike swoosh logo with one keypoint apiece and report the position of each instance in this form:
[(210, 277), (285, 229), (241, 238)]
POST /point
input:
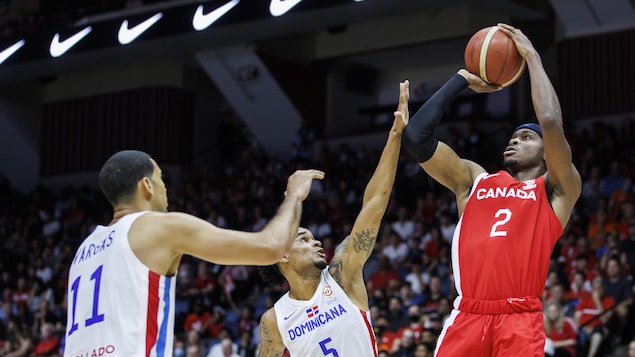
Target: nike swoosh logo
[(59, 48), (288, 317), (202, 21), (280, 7), (8, 52), (127, 35)]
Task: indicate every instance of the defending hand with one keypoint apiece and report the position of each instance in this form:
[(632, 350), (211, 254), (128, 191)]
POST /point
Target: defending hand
[(402, 115), (300, 182)]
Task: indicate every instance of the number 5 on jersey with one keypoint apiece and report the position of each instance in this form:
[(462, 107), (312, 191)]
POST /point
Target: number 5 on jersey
[(327, 350)]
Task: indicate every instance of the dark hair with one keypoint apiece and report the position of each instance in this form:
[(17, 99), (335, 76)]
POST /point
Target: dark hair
[(272, 275), (120, 174)]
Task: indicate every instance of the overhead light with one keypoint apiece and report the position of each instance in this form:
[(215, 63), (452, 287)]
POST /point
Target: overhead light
[(202, 21), (58, 47), (127, 35), (281, 7), (8, 52)]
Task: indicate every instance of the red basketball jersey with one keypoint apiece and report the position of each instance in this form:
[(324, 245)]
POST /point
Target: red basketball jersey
[(504, 239)]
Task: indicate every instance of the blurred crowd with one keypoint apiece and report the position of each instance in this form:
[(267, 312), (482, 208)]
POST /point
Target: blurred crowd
[(587, 297)]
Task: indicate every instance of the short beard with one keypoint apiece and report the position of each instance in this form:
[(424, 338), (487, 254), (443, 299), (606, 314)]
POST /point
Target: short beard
[(510, 163), (320, 265)]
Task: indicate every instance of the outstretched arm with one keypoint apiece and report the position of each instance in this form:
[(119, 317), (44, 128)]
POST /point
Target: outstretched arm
[(563, 179), (271, 344), (350, 256), (160, 239)]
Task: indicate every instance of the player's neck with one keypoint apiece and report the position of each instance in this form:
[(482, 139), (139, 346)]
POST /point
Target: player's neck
[(529, 174), (303, 288), (120, 211)]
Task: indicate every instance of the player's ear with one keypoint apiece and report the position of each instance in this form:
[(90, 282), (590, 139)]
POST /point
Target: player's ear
[(145, 185), (285, 259)]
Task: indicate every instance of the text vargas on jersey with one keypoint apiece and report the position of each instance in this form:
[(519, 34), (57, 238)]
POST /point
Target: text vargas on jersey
[(87, 251)]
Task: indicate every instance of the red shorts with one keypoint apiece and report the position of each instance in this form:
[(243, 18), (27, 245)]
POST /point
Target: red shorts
[(504, 328)]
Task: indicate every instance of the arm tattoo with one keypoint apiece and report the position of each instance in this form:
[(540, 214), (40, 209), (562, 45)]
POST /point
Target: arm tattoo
[(267, 348), (264, 332), (365, 240)]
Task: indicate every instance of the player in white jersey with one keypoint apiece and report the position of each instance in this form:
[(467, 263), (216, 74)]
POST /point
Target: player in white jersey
[(326, 312), (121, 282)]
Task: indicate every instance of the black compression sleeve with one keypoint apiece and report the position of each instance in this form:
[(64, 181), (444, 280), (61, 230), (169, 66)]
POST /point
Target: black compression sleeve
[(418, 136)]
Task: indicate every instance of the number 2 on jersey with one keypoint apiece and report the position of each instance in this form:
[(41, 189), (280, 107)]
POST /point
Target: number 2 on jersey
[(96, 316), (503, 216)]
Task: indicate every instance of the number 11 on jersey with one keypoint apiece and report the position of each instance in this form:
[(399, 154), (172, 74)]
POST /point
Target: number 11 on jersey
[(96, 316)]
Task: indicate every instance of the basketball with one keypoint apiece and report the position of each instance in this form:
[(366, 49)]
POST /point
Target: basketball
[(492, 55)]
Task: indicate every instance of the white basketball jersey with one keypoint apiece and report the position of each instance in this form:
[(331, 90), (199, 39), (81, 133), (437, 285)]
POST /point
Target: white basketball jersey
[(117, 307), (329, 324)]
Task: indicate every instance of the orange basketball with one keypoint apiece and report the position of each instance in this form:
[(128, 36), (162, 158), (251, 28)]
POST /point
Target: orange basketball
[(492, 55)]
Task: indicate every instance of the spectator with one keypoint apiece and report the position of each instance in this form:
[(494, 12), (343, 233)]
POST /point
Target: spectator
[(591, 192), (628, 248), (617, 286), (416, 277), (415, 325), (216, 325), (423, 350), (246, 347), (556, 295), (626, 217), (197, 320), (404, 345), (621, 195), (225, 348), (194, 345), (386, 276), (446, 226), (396, 250), (582, 266), (613, 181), (561, 330), (579, 286), (22, 294), (179, 348), (592, 316), (433, 295), (385, 337), (396, 314), (19, 343), (48, 344), (404, 226), (203, 284)]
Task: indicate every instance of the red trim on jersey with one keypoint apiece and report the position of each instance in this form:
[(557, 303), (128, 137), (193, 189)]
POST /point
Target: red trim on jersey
[(370, 331), (152, 327)]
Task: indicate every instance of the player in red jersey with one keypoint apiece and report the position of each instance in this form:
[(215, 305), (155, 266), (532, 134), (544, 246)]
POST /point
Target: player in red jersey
[(509, 220)]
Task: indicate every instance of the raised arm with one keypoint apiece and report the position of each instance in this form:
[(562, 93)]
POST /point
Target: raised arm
[(563, 179), (271, 344), (350, 256), (435, 157), (160, 239)]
